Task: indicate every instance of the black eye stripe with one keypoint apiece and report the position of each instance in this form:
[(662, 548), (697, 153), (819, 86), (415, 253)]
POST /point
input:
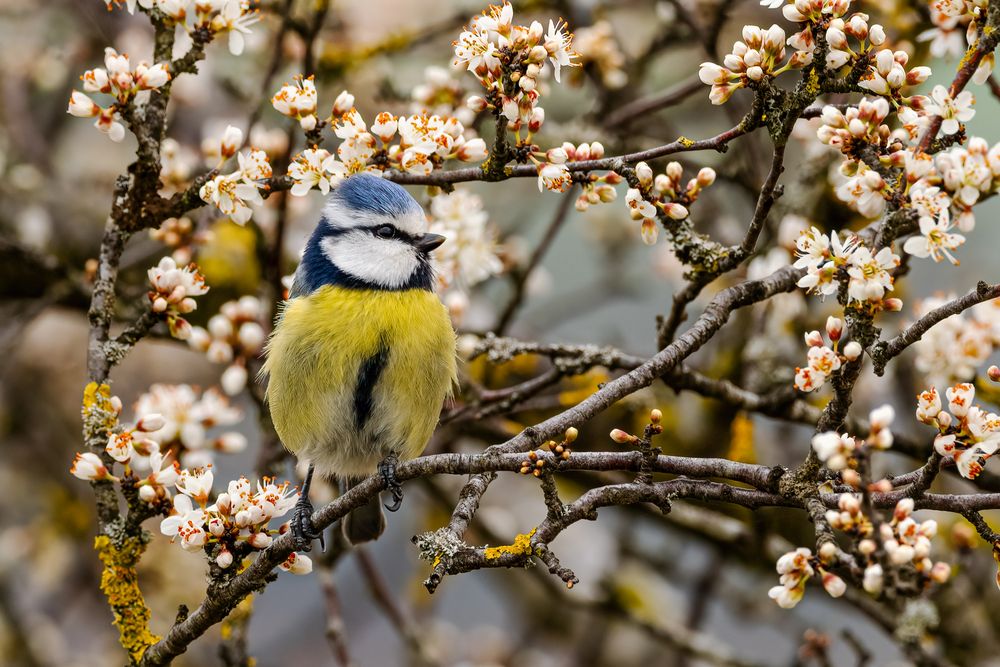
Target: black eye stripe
[(396, 232)]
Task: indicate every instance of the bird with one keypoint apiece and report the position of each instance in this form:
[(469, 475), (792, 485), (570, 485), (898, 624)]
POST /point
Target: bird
[(362, 356)]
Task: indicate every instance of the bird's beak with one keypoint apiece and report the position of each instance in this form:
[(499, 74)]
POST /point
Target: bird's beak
[(428, 242)]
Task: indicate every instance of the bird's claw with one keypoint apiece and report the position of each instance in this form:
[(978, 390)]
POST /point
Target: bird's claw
[(387, 469), (303, 529)]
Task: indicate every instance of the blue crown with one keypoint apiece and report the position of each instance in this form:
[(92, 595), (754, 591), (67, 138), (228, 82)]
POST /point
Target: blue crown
[(373, 194)]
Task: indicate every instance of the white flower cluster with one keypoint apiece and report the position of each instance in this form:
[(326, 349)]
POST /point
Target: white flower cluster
[(663, 194), (188, 417), (837, 450), (232, 17), (441, 94), (470, 255), (796, 568), (952, 18), (954, 348), (966, 433), (235, 524), (139, 454), (509, 59), (416, 144), (598, 49), (234, 336), (554, 175), (823, 360), (829, 261), (908, 541), (233, 193), (173, 291), (120, 79), (760, 55)]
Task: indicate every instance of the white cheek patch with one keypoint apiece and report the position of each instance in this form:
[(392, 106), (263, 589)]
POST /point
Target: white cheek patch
[(388, 263)]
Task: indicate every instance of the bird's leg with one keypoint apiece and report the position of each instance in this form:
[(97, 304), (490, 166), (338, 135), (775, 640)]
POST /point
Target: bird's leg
[(387, 469), (303, 529)]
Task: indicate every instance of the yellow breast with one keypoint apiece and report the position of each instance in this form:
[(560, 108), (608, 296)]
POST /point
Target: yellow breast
[(317, 359)]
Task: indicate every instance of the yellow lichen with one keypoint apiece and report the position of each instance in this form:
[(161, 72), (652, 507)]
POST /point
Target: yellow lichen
[(97, 409), (120, 586), (520, 547), (238, 618), (685, 142)]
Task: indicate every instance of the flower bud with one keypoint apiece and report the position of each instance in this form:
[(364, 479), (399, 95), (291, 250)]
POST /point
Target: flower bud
[(706, 176), (644, 173), (833, 584), (853, 350), (147, 493), (993, 373), (151, 422), (892, 304), (621, 437), (814, 339), (224, 559), (343, 104), (834, 328), (260, 540)]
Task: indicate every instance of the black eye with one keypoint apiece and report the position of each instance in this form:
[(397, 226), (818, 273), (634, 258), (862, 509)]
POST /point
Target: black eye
[(385, 231)]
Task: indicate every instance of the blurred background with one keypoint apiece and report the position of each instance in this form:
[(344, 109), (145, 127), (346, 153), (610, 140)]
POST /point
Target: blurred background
[(688, 588)]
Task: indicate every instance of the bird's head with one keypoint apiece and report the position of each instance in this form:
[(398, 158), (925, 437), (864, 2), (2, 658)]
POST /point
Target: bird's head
[(372, 234)]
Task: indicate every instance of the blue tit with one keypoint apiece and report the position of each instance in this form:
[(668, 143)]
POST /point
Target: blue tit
[(362, 356)]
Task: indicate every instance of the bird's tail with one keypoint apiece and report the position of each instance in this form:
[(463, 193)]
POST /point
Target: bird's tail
[(365, 523)]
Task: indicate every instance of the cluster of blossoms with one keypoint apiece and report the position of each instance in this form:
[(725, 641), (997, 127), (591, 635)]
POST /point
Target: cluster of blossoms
[(234, 336), (839, 451), (220, 17), (233, 193), (907, 541), (665, 194), (170, 428), (508, 60), (757, 57), (188, 417), (829, 261), (134, 448), (182, 237), (424, 142), (173, 291), (555, 176), (952, 18), (796, 568), (236, 524), (966, 433), (298, 100), (470, 256), (441, 94), (954, 348), (823, 360), (598, 50), (120, 79)]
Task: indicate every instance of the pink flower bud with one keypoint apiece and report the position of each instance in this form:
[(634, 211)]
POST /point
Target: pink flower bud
[(833, 584), (814, 339), (224, 559), (621, 437), (993, 373)]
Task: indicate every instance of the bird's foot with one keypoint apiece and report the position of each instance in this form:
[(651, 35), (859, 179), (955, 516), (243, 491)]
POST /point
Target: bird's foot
[(387, 469), (303, 529)]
